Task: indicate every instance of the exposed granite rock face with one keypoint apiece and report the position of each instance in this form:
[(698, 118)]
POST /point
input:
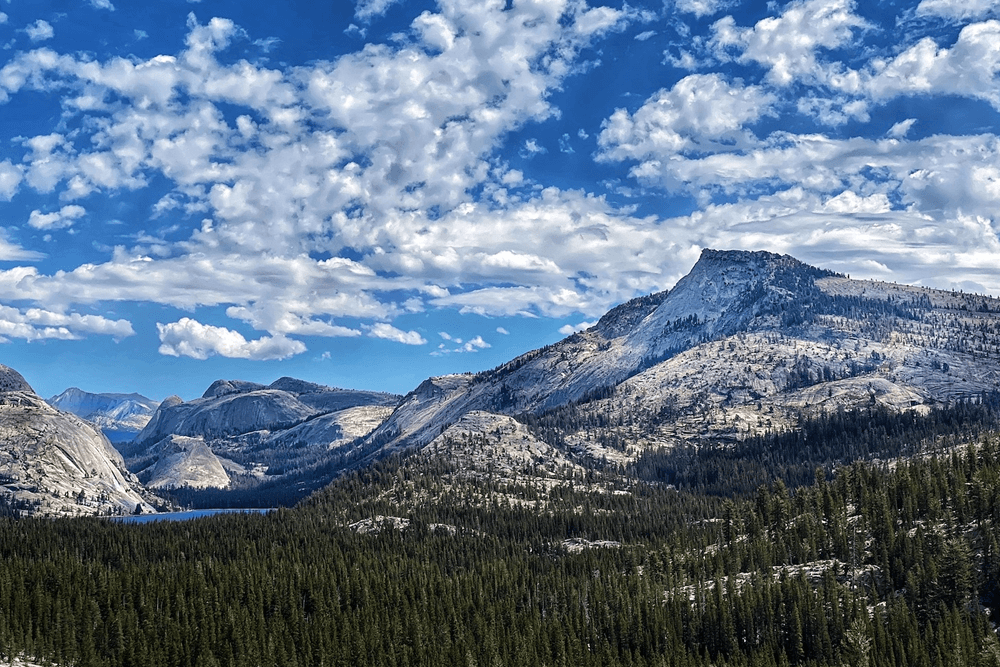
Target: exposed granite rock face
[(181, 461), (11, 380), (251, 429), (55, 463), (745, 343)]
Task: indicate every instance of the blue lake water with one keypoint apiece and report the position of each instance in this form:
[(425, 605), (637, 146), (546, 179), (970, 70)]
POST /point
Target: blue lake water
[(184, 516)]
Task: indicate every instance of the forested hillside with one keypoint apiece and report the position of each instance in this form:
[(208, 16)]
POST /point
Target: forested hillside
[(882, 563)]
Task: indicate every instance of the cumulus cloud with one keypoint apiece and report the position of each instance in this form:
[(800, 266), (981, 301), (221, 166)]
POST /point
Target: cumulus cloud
[(366, 10), (901, 129), (787, 45), (702, 8), (957, 9), (389, 332), (969, 68), (10, 178), (190, 338), (39, 324), (39, 31), (701, 113), (568, 329), (458, 346), (64, 217), (102, 4)]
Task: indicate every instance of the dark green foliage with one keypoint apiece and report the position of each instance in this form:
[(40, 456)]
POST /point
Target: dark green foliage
[(828, 440), (876, 565)]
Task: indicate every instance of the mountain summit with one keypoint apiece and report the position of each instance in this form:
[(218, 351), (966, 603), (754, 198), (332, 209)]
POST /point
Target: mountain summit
[(746, 342)]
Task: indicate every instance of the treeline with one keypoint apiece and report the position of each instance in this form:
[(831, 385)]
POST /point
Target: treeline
[(826, 440)]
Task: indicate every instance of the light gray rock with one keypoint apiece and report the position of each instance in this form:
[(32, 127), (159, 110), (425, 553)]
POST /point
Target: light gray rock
[(181, 461), (746, 342), (55, 463), (127, 413)]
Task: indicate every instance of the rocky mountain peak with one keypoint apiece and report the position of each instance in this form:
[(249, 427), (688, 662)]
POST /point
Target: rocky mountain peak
[(11, 380), (296, 386), (226, 387)]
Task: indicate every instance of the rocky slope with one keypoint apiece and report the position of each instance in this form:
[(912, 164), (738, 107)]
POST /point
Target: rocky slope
[(254, 432), (120, 416), (745, 343), (55, 463)]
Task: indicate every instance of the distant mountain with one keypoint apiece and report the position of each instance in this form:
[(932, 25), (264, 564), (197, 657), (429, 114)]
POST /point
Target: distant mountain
[(120, 416), (55, 463), (746, 343), (251, 433)]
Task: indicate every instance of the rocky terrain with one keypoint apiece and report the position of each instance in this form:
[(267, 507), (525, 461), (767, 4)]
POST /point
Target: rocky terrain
[(746, 343), (55, 463), (251, 432)]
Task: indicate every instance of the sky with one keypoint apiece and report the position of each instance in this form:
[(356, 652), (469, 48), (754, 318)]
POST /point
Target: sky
[(367, 194)]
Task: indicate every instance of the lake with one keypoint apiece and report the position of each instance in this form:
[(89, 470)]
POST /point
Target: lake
[(184, 516)]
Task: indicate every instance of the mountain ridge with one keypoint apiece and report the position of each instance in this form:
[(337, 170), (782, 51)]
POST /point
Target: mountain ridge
[(790, 339)]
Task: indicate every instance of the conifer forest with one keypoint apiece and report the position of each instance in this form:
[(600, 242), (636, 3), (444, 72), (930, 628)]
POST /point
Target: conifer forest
[(886, 560)]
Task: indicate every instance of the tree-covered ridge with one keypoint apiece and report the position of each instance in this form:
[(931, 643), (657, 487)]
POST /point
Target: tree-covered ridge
[(880, 564)]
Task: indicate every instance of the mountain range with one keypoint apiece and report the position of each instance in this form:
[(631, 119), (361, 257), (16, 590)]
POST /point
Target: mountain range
[(747, 344), (119, 416)]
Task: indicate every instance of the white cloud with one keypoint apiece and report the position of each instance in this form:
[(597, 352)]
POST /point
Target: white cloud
[(39, 31), (366, 10), (190, 338), (38, 324), (10, 179), (531, 148), (643, 36), (969, 68), (957, 9), (60, 219), (851, 202), (12, 252), (787, 45), (901, 129), (288, 318), (389, 332), (599, 20), (102, 4), (473, 345), (702, 8), (701, 113), (568, 329), (502, 331), (3, 18)]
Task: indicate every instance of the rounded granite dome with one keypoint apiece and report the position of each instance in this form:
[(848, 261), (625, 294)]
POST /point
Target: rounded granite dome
[(11, 380)]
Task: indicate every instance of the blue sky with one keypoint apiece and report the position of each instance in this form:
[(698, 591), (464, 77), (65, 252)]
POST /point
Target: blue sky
[(368, 194)]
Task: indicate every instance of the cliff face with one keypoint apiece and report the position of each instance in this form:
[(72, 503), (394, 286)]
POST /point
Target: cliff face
[(55, 463)]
